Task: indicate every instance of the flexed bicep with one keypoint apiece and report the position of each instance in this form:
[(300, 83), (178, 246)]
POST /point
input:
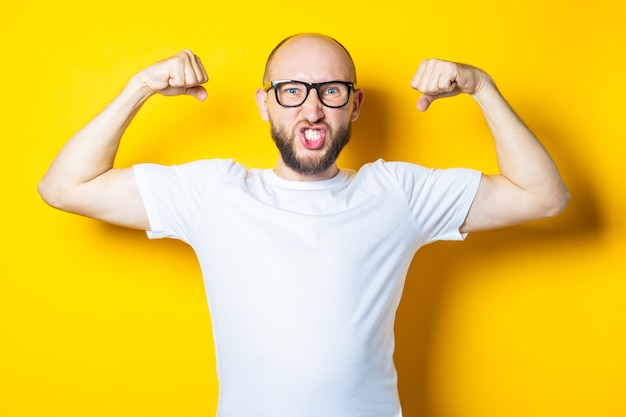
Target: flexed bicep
[(112, 197)]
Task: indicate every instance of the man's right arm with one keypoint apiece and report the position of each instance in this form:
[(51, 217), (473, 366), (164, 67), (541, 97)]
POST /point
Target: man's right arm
[(82, 180)]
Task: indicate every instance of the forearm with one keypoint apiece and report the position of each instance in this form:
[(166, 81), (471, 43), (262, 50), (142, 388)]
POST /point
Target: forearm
[(92, 150), (522, 159)]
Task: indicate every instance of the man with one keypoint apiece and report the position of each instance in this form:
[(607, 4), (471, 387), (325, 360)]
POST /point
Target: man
[(304, 265)]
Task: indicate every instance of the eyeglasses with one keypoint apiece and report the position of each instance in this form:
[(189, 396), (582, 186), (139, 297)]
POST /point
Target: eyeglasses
[(291, 93)]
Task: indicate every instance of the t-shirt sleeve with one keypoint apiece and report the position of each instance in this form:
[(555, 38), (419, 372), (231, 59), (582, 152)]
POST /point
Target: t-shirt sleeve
[(174, 195), (439, 199)]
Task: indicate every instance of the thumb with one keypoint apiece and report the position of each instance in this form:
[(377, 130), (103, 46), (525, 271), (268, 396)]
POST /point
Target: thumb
[(198, 92), (424, 102)]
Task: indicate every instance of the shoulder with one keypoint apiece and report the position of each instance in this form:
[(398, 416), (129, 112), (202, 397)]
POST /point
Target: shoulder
[(406, 170), (416, 181), (203, 168), (395, 171)]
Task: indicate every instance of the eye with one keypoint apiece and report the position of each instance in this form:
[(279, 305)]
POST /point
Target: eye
[(334, 91), (291, 89)]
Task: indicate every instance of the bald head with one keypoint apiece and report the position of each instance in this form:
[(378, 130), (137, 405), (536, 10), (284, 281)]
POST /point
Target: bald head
[(293, 52)]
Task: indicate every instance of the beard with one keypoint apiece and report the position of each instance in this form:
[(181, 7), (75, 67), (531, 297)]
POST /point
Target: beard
[(285, 143)]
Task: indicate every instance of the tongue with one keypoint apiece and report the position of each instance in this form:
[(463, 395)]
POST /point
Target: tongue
[(314, 143)]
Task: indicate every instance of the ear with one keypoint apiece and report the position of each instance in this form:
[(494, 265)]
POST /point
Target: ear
[(357, 101), (261, 102)]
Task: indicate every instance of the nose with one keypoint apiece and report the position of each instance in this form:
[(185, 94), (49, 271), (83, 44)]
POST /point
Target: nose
[(312, 108)]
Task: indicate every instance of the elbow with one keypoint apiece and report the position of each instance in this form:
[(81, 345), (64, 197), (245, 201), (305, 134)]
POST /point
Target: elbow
[(43, 188), (50, 194), (557, 203)]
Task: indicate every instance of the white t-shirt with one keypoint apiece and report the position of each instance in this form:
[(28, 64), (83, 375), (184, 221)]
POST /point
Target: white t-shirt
[(303, 279)]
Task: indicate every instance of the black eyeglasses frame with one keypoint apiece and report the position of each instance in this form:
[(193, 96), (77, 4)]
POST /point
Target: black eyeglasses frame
[(309, 86)]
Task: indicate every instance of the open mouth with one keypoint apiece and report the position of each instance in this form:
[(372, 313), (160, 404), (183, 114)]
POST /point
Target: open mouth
[(313, 138)]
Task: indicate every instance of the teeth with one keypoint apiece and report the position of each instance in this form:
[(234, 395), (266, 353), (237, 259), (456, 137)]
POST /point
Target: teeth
[(311, 134)]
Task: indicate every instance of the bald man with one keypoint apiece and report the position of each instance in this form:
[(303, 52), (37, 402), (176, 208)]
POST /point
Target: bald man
[(304, 264)]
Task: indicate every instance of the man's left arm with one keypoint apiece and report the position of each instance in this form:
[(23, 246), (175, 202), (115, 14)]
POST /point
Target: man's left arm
[(529, 186)]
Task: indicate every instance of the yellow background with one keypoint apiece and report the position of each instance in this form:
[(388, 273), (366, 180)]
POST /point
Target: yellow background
[(528, 321)]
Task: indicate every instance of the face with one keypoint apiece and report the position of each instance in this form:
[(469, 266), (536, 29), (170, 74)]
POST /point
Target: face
[(309, 137)]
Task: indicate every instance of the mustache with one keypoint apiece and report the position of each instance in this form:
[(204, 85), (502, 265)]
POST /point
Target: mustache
[(304, 124)]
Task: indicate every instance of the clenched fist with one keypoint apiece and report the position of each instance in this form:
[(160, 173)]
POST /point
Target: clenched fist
[(438, 79), (180, 74)]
